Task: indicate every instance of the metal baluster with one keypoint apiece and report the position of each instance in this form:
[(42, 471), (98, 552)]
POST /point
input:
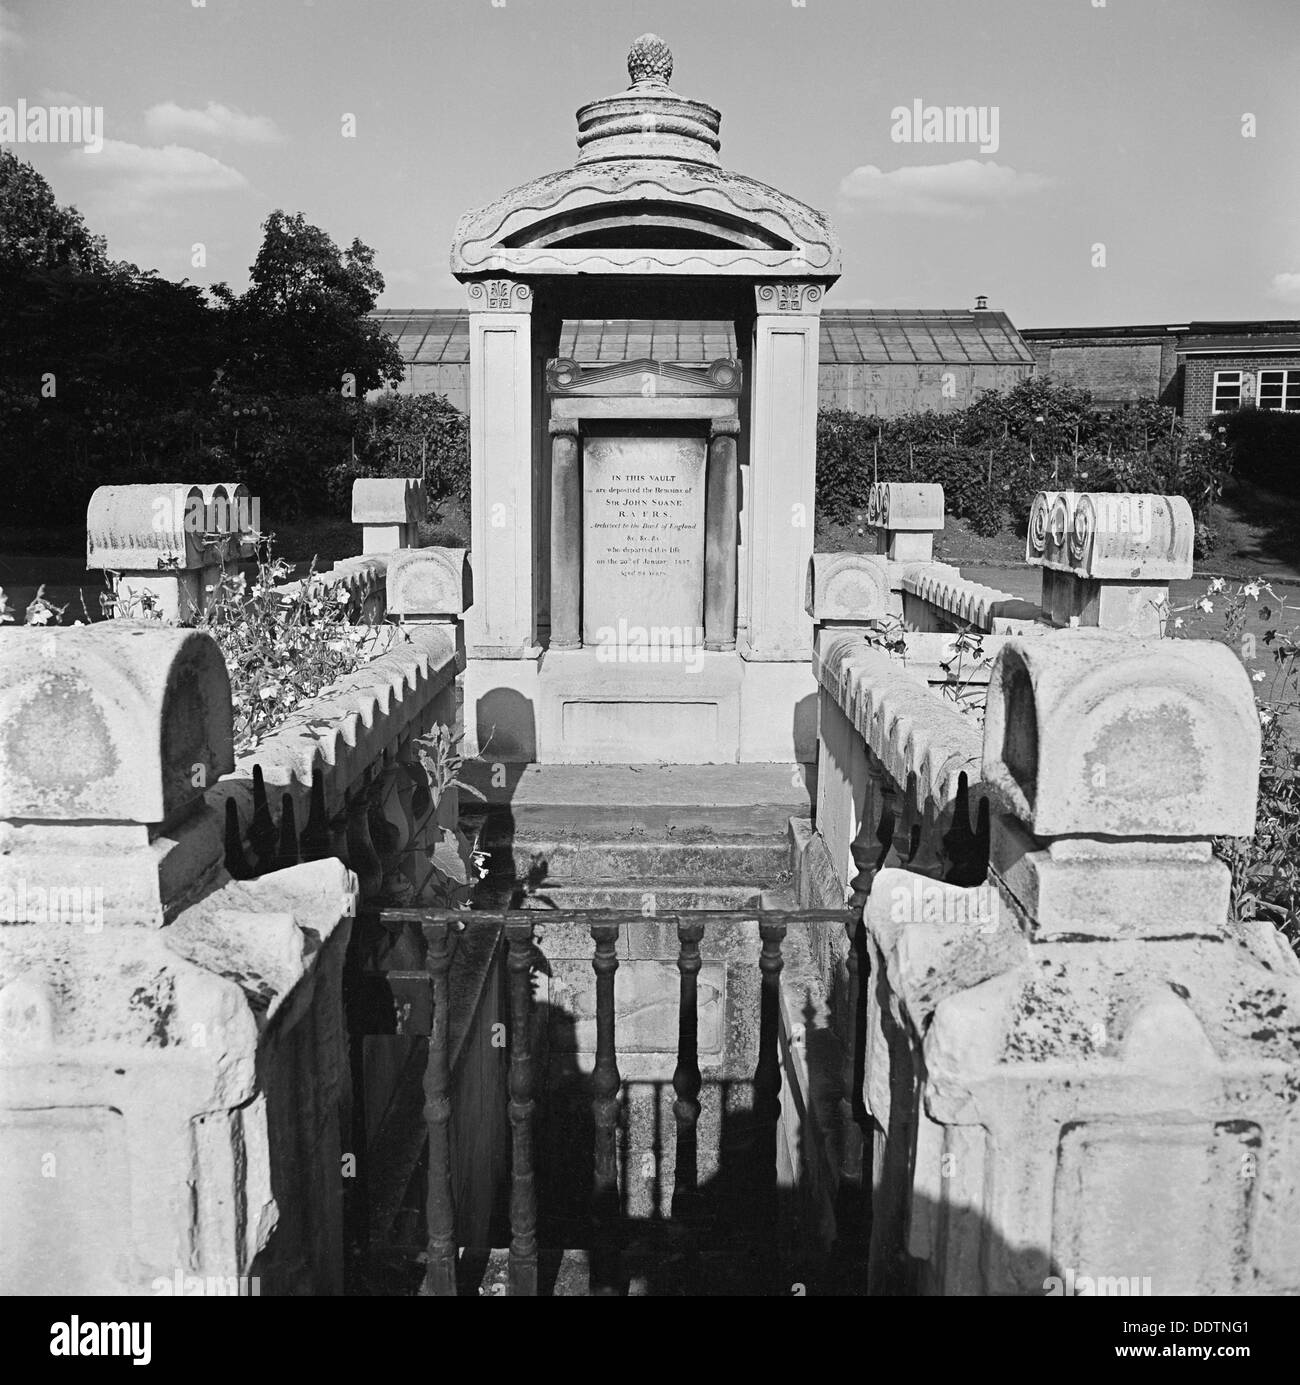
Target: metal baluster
[(606, 1271), (851, 1211), (440, 1217), (237, 862), (287, 851), (262, 836), (767, 1077), (686, 1076), (315, 842), (523, 1185)]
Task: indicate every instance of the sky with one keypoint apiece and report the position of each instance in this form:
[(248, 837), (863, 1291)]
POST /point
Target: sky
[(1145, 169)]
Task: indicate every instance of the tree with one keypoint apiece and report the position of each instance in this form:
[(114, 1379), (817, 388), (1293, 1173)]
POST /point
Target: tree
[(302, 327), (35, 232)]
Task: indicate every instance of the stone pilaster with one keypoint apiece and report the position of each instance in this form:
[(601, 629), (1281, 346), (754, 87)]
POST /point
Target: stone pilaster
[(502, 623), (783, 442)]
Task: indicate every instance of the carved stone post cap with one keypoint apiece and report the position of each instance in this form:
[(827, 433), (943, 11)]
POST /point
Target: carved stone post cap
[(146, 528), (847, 586), (430, 582), (1094, 733), (905, 505), (387, 500), (1120, 537), (122, 722)]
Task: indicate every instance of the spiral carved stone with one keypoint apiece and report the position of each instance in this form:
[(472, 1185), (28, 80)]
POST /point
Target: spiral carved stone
[(650, 60), (1058, 521), (1083, 525), (1038, 516)]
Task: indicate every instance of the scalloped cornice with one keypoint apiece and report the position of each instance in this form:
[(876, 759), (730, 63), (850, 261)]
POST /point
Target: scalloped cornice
[(801, 239)]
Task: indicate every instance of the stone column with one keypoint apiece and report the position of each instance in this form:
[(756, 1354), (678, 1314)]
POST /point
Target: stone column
[(721, 518), (566, 535), (502, 623), (783, 442)]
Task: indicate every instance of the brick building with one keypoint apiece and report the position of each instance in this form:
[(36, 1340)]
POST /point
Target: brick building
[(1198, 368)]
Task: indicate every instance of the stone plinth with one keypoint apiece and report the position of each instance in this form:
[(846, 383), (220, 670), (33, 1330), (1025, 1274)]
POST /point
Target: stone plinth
[(389, 510), (1107, 560), (433, 584), (906, 516), (157, 542), (847, 591)]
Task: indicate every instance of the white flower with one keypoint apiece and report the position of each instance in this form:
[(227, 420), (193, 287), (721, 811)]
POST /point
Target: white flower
[(1257, 676), (271, 690), (1217, 584), (1251, 589), (1178, 622), (38, 618), (1205, 604)]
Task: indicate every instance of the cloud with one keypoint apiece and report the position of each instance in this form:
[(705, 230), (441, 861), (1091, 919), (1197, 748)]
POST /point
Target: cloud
[(1285, 287), (9, 35), (138, 174), (961, 189), (214, 121)]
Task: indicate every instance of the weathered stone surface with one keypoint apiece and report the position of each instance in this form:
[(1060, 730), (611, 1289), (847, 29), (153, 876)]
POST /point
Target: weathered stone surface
[(161, 1070), (847, 587), (430, 582), (120, 723), (1075, 1101), (1093, 732), (905, 505), (146, 528), (938, 597), (387, 500), (1119, 537)]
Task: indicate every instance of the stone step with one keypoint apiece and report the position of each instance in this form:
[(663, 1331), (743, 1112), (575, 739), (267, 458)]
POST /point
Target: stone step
[(719, 860), (657, 895), (664, 1264), (539, 802)]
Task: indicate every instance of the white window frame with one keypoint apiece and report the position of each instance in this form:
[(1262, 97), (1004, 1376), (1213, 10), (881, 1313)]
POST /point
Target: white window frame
[(1226, 380), (1285, 379)]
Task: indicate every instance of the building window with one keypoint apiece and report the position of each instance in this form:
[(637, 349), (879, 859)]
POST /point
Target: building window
[(1279, 389), (1227, 390)]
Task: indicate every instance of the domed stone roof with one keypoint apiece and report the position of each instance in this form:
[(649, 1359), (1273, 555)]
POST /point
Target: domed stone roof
[(647, 195)]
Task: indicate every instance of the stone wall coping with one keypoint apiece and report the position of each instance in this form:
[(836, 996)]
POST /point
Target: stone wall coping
[(1093, 732), (146, 528), (905, 505), (114, 722), (349, 727), (908, 728), (387, 500), (361, 576), (1134, 538), (986, 608)]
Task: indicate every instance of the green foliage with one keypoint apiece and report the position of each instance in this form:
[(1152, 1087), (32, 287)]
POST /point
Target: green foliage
[(302, 325), (995, 455), (1264, 445), (1265, 868), (110, 375), (36, 234)]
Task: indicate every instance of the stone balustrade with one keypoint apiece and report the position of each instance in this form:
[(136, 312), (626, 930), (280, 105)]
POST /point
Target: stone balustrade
[(1069, 1050), (155, 1128), (171, 1023)]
